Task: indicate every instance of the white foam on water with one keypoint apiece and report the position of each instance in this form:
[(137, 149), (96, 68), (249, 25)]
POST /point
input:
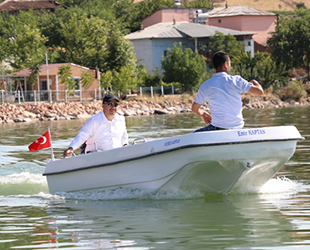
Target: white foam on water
[(127, 193), (280, 184), (277, 186), (41, 199), (24, 177)]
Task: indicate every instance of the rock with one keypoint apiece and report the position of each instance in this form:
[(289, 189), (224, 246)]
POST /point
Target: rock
[(25, 112), (245, 100), (49, 115), (129, 112), (135, 106), (28, 119), (18, 119), (171, 109), (160, 112), (29, 114)]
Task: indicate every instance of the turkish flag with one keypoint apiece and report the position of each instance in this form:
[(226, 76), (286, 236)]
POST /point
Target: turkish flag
[(40, 143)]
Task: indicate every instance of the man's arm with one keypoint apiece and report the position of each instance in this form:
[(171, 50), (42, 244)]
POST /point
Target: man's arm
[(84, 133), (204, 115), (256, 88)]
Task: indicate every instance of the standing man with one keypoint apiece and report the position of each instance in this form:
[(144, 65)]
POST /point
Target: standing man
[(223, 93), (105, 130)]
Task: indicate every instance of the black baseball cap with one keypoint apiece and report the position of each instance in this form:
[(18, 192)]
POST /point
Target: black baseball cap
[(109, 97)]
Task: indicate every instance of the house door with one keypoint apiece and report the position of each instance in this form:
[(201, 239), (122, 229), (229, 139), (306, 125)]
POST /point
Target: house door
[(43, 90)]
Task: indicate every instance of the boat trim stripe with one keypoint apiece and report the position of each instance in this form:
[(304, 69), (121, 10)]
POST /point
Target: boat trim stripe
[(170, 150)]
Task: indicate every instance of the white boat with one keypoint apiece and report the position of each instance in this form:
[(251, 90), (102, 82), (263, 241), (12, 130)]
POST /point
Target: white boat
[(220, 161)]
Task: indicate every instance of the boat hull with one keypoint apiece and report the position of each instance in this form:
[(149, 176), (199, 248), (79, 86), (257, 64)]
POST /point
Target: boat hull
[(207, 162)]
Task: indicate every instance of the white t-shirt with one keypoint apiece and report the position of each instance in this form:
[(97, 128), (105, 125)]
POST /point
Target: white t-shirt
[(223, 93), (99, 132)]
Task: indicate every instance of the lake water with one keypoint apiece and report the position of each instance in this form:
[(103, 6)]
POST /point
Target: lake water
[(278, 217)]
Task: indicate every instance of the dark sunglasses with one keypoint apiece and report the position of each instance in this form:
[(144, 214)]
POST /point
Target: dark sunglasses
[(111, 104)]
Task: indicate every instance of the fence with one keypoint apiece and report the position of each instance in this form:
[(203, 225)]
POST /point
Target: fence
[(78, 95), (47, 96)]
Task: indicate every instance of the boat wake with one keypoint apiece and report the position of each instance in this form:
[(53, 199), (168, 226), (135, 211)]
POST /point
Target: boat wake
[(279, 185), (26, 180), (22, 178), (129, 194)]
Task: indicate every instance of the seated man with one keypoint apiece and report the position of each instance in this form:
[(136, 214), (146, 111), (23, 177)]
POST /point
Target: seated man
[(105, 130), (223, 93)]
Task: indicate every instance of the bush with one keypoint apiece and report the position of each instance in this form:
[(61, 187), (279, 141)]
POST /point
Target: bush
[(300, 72), (294, 90)]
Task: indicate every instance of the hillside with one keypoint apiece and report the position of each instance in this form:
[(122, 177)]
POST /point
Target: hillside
[(267, 5)]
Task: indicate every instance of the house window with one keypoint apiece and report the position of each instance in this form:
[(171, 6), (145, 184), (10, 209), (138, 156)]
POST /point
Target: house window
[(44, 85), (219, 20), (77, 83)]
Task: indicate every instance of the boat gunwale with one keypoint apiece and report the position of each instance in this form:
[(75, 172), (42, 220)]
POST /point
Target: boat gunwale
[(171, 150)]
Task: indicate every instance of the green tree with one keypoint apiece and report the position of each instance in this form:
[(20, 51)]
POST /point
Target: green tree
[(28, 48), (120, 53), (197, 4), (261, 67), (34, 72), (21, 42), (4, 46), (86, 78), (96, 8), (50, 26), (143, 77), (106, 79), (245, 66), (290, 41), (65, 77), (6, 34), (123, 80), (84, 41), (126, 14), (300, 5), (186, 67), (229, 44), (268, 72)]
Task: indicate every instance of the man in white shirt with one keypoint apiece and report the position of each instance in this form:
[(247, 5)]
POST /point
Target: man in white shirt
[(223, 93), (105, 130)]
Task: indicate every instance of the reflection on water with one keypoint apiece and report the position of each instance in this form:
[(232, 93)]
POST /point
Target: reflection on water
[(275, 218), (214, 222)]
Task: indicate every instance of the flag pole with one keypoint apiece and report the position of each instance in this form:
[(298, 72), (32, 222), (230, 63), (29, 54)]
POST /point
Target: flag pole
[(52, 153)]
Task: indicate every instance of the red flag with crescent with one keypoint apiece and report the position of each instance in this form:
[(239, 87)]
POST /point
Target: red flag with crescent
[(40, 143)]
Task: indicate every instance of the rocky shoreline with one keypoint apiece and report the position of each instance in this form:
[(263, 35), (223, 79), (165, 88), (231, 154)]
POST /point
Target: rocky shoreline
[(43, 111)]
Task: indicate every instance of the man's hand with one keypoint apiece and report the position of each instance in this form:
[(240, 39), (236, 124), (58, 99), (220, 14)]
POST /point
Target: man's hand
[(256, 88), (68, 152), (203, 114), (206, 118)]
